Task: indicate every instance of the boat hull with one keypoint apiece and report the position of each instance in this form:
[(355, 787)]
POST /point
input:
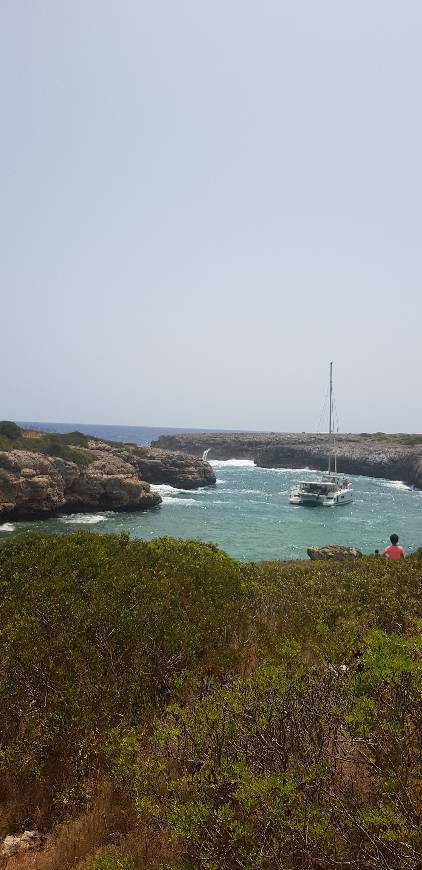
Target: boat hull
[(337, 499)]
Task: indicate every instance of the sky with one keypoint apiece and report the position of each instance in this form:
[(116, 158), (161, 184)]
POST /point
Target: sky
[(202, 203)]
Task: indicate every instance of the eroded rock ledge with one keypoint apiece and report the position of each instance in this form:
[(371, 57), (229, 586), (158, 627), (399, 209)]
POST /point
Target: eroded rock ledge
[(115, 477), (395, 457)]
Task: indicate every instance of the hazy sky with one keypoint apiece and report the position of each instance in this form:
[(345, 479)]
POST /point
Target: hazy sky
[(202, 203)]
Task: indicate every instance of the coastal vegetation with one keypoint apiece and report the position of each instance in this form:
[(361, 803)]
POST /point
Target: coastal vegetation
[(72, 446), (164, 706), (408, 439)]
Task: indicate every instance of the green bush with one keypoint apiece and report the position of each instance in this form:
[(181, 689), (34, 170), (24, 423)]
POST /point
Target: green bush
[(297, 763), (56, 448), (408, 440), (6, 443), (76, 438), (71, 446), (80, 456), (112, 861), (10, 430), (95, 629), (242, 715)]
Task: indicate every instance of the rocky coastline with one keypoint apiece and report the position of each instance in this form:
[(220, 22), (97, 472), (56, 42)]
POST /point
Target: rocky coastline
[(98, 476), (394, 457)]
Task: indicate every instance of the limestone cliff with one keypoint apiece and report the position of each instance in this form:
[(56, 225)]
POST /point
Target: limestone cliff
[(155, 465), (110, 477)]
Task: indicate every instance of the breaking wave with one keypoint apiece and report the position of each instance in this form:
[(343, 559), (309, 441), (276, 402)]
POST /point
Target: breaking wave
[(7, 527), (166, 488), (168, 499), (83, 519), (270, 470), (240, 463)]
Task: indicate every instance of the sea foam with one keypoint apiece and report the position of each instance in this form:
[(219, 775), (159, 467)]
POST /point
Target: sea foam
[(83, 519), (7, 527), (164, 488), (169, 499), (239, 463)]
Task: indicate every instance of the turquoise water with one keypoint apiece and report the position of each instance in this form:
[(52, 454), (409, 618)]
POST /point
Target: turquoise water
[(247, 513)]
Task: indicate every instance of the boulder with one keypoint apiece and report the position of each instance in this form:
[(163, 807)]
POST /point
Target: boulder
[(13, 845), (333, 551)]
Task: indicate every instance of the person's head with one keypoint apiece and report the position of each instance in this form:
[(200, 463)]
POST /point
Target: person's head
[(377, 552), (394, 539)]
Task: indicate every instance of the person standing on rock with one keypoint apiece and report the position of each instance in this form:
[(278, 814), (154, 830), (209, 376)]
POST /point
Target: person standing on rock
[(394, 551)]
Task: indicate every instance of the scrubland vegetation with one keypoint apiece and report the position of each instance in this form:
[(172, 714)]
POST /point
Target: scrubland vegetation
[(164, 706), (71, 446)]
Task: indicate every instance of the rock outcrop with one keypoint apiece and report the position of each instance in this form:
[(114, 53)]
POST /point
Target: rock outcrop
[(116, 477), (26, 842), (221, 445), (157, 466), (395, 457), (332, 551)]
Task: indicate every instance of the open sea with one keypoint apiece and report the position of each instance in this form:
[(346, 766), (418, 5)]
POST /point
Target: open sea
[(247, 513)]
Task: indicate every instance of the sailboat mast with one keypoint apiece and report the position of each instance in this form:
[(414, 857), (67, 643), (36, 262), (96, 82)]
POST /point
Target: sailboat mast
[(331, 418)]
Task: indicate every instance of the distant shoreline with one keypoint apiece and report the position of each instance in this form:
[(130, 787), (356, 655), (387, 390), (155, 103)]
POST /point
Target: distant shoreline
[(393, 457)]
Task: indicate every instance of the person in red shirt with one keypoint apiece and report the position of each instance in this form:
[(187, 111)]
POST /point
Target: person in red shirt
[(394, 551)]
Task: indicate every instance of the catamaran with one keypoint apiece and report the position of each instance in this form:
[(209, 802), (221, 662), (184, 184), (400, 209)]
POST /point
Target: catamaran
[(331, 489)]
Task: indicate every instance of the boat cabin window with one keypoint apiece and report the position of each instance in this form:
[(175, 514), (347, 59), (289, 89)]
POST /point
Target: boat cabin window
[(318, 488)]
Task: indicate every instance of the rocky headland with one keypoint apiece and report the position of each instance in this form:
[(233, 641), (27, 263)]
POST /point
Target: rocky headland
[(42, 475), (394, 457)]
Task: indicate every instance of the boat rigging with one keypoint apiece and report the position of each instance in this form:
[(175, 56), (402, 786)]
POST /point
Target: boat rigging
[(331, 489)]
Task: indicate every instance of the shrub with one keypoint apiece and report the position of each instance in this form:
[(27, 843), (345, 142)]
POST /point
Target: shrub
[(5, 443), (95, 629), (76, 438), (111, 861), (56, 448), (80, 456), (409, 440), (297, 765), (10, 430), (239, 715)]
